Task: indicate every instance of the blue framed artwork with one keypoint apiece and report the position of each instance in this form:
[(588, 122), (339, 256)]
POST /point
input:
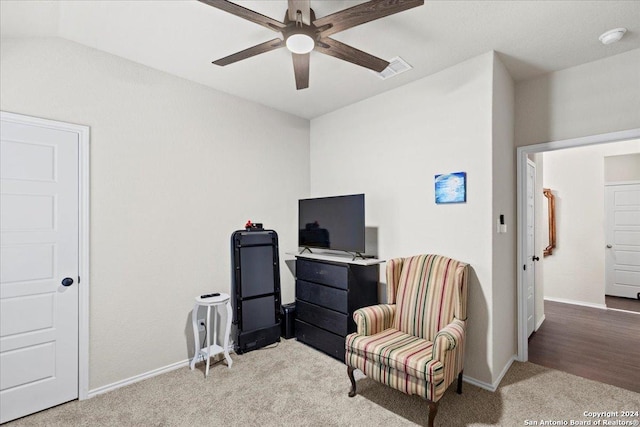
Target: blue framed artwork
[(451, 188)]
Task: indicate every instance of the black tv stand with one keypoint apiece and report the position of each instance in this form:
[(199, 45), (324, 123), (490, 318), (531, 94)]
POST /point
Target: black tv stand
[(306, 249)]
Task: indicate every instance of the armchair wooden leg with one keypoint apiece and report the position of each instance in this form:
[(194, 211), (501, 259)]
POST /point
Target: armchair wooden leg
[(459, 389), (352, 392), (433, 411)]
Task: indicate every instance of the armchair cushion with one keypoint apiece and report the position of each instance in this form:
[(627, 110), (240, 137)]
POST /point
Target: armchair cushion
[(394, 349), (429, 295), (373, 319)]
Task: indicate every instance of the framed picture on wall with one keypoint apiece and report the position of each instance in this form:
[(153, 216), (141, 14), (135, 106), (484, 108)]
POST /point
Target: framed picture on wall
[(451, 187)]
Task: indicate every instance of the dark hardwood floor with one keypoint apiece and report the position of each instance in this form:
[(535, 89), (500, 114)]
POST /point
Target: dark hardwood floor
[(620, 303), (602, 345)]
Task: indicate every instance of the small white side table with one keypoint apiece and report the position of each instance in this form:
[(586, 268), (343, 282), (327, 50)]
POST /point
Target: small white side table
[(211, 349)]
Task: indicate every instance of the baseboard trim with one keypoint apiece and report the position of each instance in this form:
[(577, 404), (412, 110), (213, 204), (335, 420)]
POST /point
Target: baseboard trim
[(574, 302), (497, 382), (542, 319), (491, 387), (136, 378), (184, 363), (478, 383), (623, 311)]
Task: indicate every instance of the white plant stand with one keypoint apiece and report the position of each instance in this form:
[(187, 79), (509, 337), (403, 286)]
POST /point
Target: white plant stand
[(211, 349)]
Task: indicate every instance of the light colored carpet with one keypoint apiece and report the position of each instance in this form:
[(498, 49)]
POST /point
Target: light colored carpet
[(295, 385)]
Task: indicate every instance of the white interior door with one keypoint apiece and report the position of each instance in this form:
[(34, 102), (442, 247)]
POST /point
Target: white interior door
[(530, 277), (622, 253), (39, 248)]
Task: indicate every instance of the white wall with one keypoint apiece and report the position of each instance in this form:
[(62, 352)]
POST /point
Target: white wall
[(590, 99), (503, 194), (391, 146), (575, 270), (622, 168), (176, 167)]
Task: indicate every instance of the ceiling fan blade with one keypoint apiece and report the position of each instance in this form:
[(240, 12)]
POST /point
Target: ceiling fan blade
[(304, 6), (301, 69), (365, 12), (245, 13), (252, 51), (337, 49)]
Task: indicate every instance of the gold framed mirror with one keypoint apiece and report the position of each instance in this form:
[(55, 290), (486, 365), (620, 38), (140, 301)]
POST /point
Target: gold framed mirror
[(551, 219)]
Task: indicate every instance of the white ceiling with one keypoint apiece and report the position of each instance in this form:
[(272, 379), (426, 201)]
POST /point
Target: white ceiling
[(183, 37)]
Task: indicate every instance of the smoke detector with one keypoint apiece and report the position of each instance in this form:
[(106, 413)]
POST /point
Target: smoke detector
[(612, 36)]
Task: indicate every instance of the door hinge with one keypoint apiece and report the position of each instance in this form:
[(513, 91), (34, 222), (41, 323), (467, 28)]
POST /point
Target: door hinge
[(78, 279), (524, 267)]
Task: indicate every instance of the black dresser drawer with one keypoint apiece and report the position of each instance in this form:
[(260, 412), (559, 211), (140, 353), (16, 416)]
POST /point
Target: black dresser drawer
[(327, 293), (320, 272), (325, 296), (321, 317), (324, 341)]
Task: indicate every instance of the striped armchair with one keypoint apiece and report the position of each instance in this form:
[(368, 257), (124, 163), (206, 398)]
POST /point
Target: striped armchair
[(415, 343)]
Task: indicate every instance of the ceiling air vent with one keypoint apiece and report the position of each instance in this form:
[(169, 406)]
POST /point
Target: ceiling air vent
[(396, 66)]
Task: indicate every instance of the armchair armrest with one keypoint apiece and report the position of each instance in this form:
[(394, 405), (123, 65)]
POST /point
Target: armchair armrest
[(373, 319), (448, 338)]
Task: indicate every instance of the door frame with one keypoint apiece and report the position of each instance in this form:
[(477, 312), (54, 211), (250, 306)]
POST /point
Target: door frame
[(83, 133), (521, 200)]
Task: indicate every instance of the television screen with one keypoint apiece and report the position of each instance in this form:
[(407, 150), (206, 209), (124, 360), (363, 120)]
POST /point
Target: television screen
[(332, 223)]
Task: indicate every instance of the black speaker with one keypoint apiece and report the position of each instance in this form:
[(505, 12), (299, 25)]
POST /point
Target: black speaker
[(287, 320)]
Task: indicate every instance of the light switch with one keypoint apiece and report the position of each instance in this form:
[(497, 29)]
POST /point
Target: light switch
[(501, 227)]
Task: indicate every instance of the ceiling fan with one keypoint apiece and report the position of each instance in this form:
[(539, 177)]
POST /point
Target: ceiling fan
[(302, 32)]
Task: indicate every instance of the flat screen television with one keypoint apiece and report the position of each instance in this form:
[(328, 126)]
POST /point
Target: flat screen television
[(335, 223)]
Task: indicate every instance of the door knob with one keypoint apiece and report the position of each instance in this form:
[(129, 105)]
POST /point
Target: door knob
[(609, 246), (535, 258), (67, 281)]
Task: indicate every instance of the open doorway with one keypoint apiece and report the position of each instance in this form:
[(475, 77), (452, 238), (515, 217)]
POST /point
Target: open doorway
[(596, 205), (596, 199), (523, 153)]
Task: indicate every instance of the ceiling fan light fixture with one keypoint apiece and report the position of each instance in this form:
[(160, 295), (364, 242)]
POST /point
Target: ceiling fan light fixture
[(300, 43), (612, 36)]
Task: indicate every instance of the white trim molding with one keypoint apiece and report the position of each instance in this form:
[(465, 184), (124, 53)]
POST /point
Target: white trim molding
[(521, 164), (139, 377), (574, 302), (494, 386), (606, 184), (83, 133), (542, 319)]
